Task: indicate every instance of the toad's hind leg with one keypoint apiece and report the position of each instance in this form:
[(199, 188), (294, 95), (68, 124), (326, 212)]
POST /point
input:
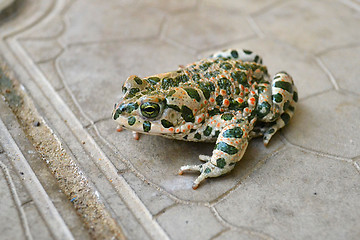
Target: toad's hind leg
[(243, 55), (276, 103), (229, 149)]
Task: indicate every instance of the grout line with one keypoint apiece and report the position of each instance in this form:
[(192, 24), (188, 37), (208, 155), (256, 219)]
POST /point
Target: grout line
[(318, 153), (350, 92), (162, 28), (100, 120), (180, 46), (162, 211), (337, 47), (220, 218), (302, 99), (114, 40), (59, 72), (17, 201), (217, 235), (51, 58), (267, 9), (43, 202), (239, 228), (27, 202), (357, 166), (351, 4), (326, 70), (255, 27)]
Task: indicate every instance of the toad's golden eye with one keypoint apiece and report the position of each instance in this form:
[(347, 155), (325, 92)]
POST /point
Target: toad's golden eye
[(150, 109)]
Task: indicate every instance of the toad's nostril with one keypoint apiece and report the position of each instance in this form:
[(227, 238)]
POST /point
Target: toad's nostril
[(124, 89)]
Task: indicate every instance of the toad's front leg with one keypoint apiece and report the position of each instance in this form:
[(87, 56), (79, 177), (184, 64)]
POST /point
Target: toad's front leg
[(229, 149)]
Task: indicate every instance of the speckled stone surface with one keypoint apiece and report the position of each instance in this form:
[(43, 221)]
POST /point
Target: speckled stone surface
[(71, 58)]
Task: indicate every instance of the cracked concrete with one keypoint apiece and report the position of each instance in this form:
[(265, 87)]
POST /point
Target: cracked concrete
[(65, 64)]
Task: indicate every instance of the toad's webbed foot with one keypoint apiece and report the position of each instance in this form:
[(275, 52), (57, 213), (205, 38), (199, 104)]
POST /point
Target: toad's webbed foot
[(206, 170), (229, 149)]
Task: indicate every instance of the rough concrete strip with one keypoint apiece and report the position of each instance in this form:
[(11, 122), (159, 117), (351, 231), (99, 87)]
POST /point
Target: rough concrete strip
[(16, 199), (67, 173), (34, 187)]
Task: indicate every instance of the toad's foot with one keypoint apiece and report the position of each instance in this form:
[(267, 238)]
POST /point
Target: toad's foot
[(136, 135), (119, 128), (204, 158), (206, 170)]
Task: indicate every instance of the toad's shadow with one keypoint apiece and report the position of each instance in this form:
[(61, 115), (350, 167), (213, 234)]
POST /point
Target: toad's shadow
[(159, 159)]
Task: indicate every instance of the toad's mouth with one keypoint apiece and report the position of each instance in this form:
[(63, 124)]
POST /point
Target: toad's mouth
[(141, 125)]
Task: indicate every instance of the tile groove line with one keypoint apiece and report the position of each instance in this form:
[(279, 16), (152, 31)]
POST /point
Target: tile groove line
[(328, 73), (125, 192), (54, 221), (17, 201)]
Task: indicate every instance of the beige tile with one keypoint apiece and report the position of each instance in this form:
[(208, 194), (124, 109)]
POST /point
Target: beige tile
[(107, 22), (311, 26), (168, 7), (154, 200), (42, 50), (327, 123), (243, 6), (207, 28), (189, 222), (297, 195), (343, 64)]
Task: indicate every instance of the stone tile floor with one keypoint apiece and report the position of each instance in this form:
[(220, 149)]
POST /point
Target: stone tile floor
[(71, 58)]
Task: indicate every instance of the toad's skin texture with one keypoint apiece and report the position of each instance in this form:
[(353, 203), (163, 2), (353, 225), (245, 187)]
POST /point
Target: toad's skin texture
[(227, 98)]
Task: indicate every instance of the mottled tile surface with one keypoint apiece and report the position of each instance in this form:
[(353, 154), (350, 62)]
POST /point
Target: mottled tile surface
[(296, 190), (72, 58)]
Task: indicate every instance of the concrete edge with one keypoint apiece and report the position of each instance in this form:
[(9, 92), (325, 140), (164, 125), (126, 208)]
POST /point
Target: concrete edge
[(69, 176)]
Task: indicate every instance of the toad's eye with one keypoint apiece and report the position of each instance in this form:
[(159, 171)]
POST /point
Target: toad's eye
[(150, 109)]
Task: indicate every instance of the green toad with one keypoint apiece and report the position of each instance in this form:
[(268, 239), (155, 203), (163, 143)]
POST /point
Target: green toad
[(227, 98)]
